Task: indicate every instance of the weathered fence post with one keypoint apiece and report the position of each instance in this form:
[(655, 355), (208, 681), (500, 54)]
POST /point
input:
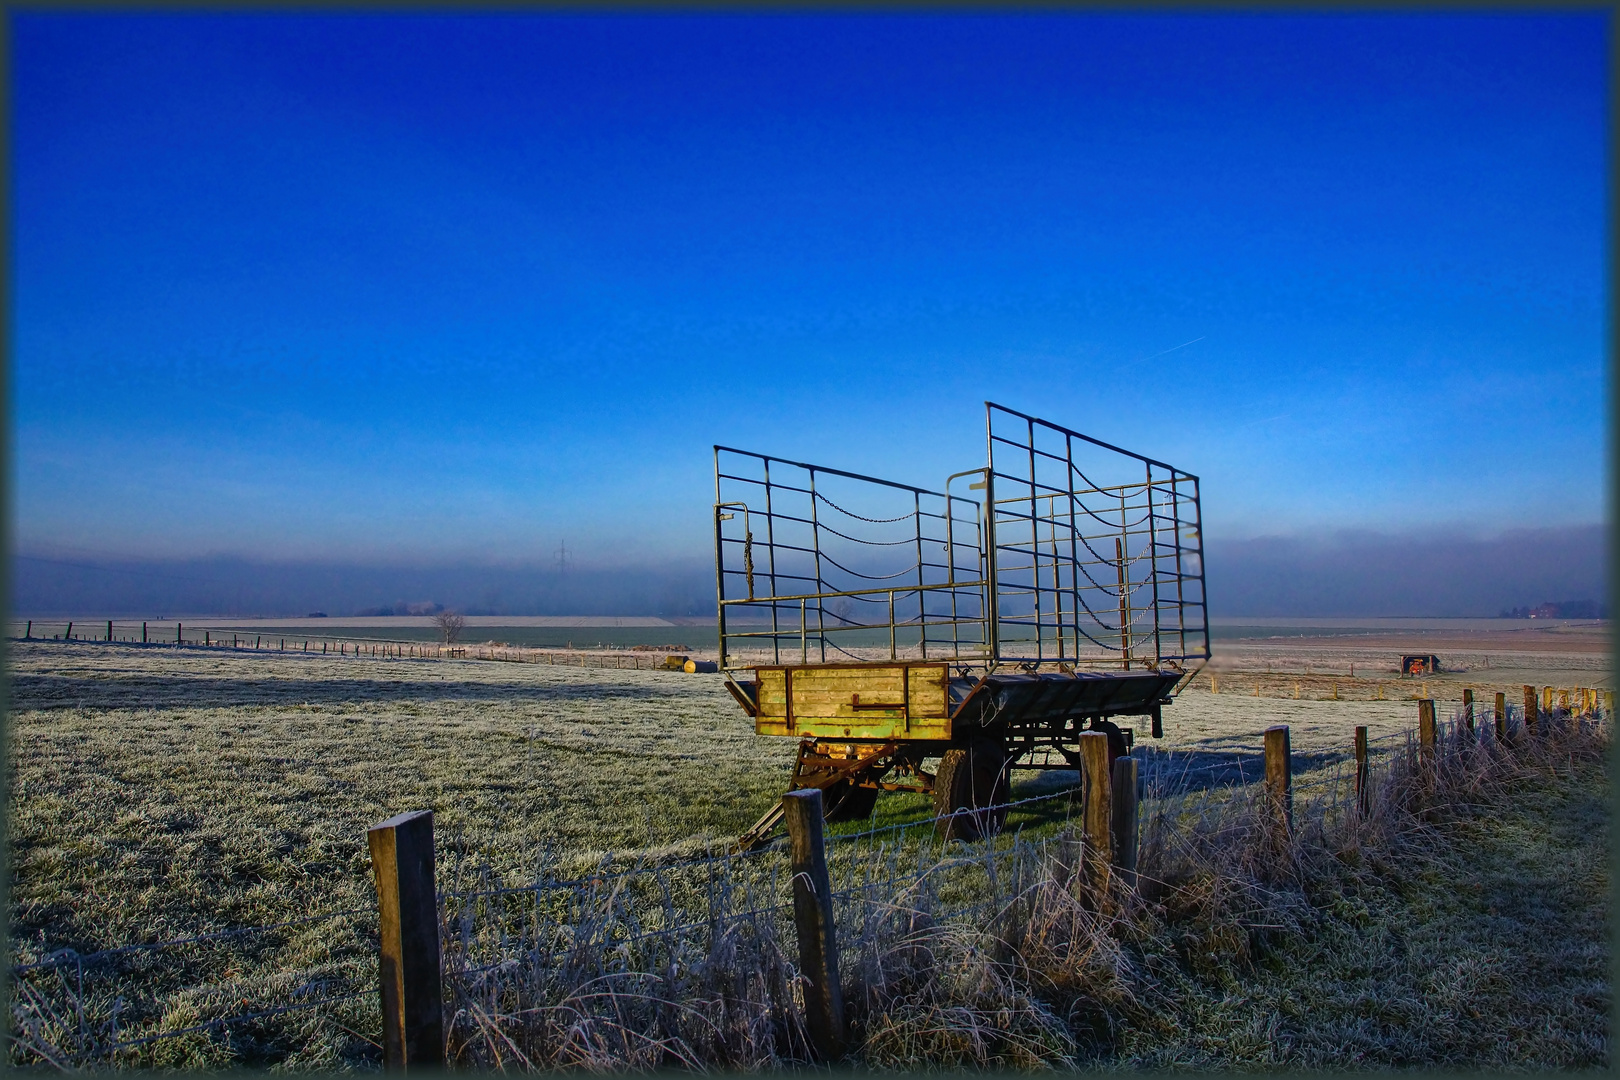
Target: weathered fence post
[(1468, 713), (67, 635), (1099, 808), (1363, 795), (813, 918), (179, 634), (1530, 709), (143, 633), (1546, 701), (109, 629), (1071, 858), (29, 632), (408, 927), (1426, 737), (1279, 774), (1501, 717), (1124, 806)]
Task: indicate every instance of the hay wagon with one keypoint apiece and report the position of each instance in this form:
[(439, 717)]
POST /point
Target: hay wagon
[(984, 626)]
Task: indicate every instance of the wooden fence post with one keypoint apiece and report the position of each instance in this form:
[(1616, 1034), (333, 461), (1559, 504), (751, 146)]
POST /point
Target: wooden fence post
[(1426, 736), (29, 632), (67, 635), (109, 629), (408, 928), (1363, 795), (1124, 806), (813, 918), (1468, 713), (179, 634), (143, 633), (1501, 717), (1099, 808), (1530, 709), (1279, 774)]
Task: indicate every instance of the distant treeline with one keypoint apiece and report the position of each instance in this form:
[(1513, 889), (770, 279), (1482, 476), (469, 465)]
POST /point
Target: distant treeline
[(1563, 609)]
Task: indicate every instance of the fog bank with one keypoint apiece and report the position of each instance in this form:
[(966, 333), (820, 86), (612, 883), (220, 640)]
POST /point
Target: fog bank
[(1338, 574)]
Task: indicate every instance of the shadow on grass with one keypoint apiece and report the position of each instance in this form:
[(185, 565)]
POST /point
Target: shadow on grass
[(31, 691)]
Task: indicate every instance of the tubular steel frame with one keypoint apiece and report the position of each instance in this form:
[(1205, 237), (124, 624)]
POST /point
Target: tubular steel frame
[(1090, 558)]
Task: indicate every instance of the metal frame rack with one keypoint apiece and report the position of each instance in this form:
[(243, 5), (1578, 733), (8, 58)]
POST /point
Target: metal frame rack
[(1090, 558)]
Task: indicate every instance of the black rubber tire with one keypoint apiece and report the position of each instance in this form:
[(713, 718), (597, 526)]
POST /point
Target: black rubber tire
[(1116, 740), (844, 801), (969, 779)]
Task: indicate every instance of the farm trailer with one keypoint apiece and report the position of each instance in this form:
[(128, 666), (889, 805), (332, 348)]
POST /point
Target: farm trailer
[(984, 626)]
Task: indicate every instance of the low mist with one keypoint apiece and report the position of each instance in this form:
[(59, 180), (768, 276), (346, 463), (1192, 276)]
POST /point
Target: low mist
[(1344, 574)]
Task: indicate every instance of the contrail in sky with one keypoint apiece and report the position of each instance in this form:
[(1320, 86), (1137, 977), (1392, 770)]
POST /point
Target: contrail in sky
[(1173, 348)]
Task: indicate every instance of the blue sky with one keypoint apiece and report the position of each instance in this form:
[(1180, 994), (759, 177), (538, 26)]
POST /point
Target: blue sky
[(460, 288)]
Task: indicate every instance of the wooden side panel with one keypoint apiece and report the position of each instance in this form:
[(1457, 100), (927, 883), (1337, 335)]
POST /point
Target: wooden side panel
[(858, 701)]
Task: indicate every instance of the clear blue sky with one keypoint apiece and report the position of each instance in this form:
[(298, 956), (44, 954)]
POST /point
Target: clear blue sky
[(446, 288)]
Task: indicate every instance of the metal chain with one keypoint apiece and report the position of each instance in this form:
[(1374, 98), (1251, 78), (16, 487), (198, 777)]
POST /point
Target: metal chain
[(858, 517)]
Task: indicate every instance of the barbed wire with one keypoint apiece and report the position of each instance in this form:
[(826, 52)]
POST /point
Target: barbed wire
[(645, 935)]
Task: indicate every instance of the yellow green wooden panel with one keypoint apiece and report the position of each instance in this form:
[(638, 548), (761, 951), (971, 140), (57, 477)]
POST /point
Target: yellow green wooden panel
[(825, 701)]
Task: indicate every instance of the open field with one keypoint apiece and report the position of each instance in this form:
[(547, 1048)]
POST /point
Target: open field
[(158, 793)]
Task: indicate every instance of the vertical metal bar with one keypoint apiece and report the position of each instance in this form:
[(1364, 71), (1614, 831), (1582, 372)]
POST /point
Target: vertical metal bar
[(922, 596), (1035, 545), (1074, 542), (770, 562), (1153, 566), (950, 570), (804, 643), (891, 624), (1057, 574), (720, 564), (1181, 603), (1122, 547), (1124, 605), (1198, 531), (992, 578), (980, 531), (815, 545)]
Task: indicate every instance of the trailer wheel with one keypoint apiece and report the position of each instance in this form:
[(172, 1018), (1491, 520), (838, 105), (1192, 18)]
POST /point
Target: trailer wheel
[(969, 779), (1116, 740), (844, 801)]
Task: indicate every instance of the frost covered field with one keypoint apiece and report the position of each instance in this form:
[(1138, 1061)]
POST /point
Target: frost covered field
[(160, 793), (157, 791)]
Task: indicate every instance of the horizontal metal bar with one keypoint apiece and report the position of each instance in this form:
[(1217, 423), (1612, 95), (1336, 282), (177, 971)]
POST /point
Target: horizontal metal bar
[(830, 471), (898, 590), (1087, 438)]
